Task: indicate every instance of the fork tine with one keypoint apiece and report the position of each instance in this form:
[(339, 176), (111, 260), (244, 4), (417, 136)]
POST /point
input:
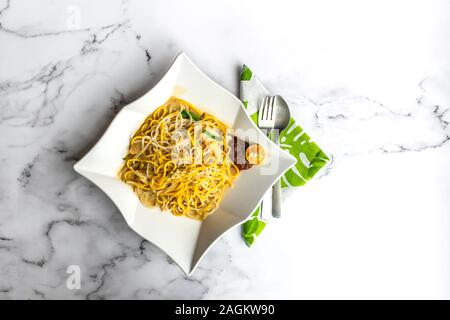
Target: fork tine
[(266, 108), (271, 107), (261, 110)]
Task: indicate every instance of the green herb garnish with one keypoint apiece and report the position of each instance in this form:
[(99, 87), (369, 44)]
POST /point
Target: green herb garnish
[(189, 115), (211, 135)]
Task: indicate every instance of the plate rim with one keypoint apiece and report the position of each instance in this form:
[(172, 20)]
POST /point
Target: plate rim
[(179, 59)]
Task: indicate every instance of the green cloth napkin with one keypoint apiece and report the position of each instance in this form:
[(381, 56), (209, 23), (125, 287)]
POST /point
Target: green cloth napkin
[(310, 158)]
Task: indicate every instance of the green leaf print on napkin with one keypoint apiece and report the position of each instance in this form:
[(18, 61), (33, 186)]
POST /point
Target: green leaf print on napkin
[(246, 73), (252, 228), (310, 158)]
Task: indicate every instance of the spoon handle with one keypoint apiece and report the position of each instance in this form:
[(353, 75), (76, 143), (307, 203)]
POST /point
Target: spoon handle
[(276, 190), (276, 200)]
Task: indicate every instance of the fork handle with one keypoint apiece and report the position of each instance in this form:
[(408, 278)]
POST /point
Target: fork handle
[(276, 190), (276, 200)]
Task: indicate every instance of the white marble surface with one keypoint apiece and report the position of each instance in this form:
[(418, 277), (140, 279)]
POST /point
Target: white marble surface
[(368, 80)]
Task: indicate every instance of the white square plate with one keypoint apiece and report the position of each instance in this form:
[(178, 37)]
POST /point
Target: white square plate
[(184, 240)]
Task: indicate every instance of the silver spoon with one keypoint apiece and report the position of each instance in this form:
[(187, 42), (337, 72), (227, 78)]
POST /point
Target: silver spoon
[(274, 115)]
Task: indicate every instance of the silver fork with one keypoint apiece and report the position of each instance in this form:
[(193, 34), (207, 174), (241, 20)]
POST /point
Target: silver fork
[(274, 116)]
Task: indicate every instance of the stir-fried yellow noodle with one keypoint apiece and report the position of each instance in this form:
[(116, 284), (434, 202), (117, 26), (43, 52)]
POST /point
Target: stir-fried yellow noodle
[(177, 160)]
